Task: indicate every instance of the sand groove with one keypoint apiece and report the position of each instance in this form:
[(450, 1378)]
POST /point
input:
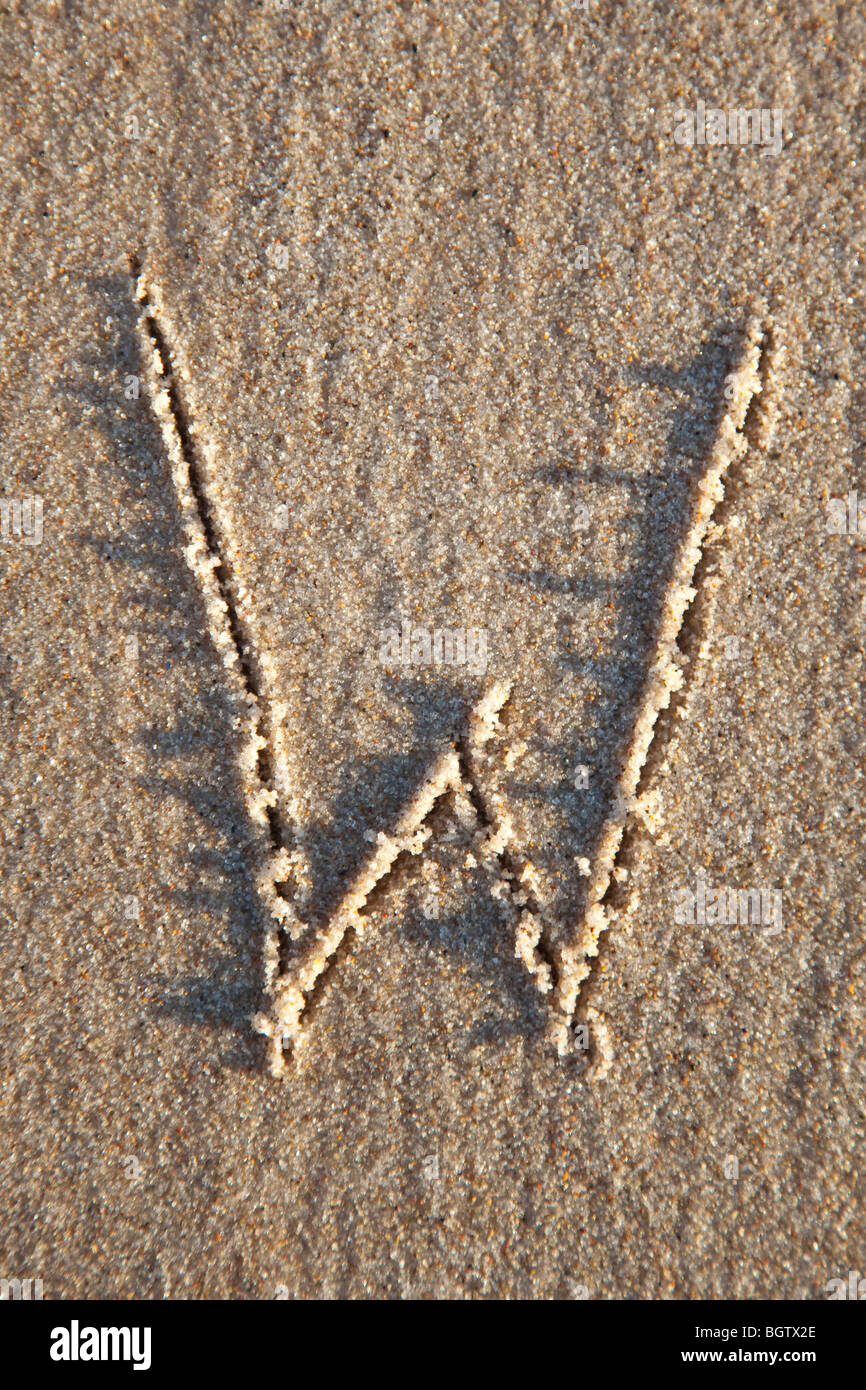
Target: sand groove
[(209, 553), (747, 421), (289, 991)]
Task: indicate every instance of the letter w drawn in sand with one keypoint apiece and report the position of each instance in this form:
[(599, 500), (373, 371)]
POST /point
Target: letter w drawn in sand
[(558, 971)]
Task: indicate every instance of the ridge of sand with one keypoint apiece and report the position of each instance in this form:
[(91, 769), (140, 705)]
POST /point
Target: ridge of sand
[(744, 385)]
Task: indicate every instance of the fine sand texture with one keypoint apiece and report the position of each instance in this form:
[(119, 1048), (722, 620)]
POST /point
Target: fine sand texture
[(432, 650)]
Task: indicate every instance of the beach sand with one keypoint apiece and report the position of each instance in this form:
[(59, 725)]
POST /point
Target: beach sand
[(449, 328)]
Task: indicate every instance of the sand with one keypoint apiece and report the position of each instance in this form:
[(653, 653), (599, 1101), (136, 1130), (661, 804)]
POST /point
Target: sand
[(331, 967)]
